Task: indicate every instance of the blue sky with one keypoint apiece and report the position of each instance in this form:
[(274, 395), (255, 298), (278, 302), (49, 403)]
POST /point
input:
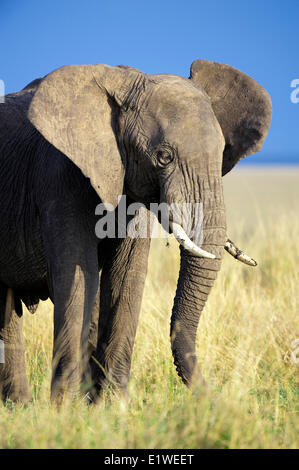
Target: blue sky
[(260, 37)]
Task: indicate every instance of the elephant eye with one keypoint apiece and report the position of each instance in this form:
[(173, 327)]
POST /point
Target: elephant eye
[(164, 157)]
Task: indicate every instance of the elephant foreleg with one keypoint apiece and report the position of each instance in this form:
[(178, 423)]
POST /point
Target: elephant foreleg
[(13, 379), (121, 289), (86, 379), (71, 251)]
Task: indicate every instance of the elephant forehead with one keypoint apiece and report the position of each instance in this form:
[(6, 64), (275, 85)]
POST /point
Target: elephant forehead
[(177, 106), (177, 95), (185, 117)]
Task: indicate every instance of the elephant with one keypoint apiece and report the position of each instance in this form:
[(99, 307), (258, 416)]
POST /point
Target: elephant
[(84, 135)]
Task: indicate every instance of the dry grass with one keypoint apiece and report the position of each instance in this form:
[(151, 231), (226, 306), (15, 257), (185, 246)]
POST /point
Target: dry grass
[(244, 347)]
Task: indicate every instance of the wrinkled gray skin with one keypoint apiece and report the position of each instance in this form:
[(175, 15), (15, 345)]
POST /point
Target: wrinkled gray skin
[(86, 134)]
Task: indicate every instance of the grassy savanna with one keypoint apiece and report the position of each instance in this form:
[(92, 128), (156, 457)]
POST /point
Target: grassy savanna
[(244, 346)]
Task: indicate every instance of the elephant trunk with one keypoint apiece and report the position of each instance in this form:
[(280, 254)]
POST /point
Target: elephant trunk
[(196, 277)]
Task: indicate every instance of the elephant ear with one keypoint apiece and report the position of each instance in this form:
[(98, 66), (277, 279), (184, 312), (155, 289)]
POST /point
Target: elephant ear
[(76, 107), (242, 106)]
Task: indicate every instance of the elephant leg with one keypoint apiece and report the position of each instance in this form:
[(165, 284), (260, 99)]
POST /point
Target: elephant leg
[(71, 321), (103, 253), (13, 379), (71, 251), (86, 380), (121, 288)]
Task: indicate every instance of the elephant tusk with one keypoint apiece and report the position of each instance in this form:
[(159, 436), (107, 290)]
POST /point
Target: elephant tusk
[(234, 251), (185, 241)]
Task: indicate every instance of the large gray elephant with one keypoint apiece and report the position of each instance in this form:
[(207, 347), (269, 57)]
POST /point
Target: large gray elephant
[(86, 134)]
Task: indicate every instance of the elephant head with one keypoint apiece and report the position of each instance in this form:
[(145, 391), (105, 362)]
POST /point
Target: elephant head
[(160, 138)]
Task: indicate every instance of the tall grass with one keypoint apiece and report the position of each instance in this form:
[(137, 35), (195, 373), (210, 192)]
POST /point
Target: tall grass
[(244, 347)]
